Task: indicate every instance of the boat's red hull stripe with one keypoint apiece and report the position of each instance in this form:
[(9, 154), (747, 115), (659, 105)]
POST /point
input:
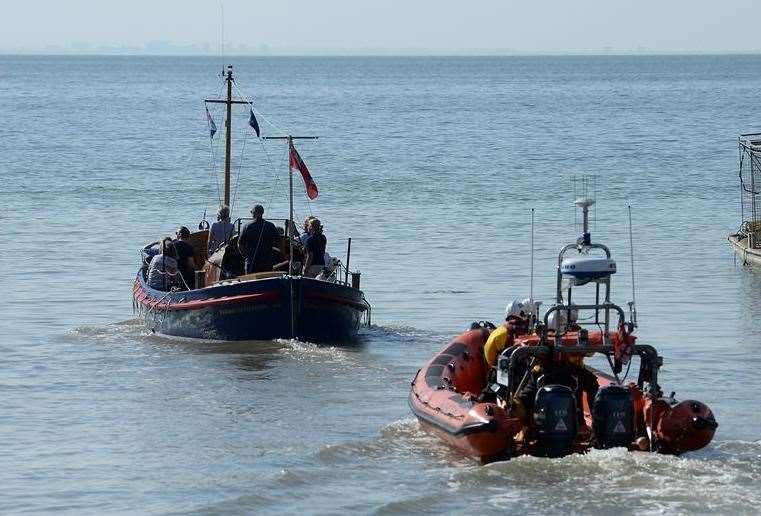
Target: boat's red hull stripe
[(154, 303), (158, 304), (335, 299)]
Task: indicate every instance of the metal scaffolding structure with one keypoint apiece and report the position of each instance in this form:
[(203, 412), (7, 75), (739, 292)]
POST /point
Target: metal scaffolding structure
[(749, 149)]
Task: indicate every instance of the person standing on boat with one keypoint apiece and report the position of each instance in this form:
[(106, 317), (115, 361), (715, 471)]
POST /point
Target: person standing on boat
[(256, 240), (302, 238), (221, 231), (163, 266), (314, 247), (185, 257)]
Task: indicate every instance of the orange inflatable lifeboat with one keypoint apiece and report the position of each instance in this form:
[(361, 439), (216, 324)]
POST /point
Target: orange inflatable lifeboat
[(539, 398), (455, 397)]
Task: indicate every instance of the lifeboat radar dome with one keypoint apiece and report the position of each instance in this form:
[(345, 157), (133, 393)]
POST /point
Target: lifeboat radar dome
[(587, 268)]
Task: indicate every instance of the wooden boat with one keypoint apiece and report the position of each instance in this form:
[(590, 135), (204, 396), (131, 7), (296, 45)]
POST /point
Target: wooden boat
[(228, 304), (746, 242), (473, 407)]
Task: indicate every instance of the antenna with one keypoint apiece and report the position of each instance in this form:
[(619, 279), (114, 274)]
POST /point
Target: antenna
[(633, 302), (585, 197), (534, 307), (531, 287), (222, 34)]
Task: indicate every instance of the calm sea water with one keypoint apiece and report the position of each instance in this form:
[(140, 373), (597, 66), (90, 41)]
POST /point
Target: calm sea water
[(431, 166)]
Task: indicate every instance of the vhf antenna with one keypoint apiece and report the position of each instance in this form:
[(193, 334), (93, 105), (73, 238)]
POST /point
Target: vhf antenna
[(222, 34), (534, 313), (633, 302), (531, 287)]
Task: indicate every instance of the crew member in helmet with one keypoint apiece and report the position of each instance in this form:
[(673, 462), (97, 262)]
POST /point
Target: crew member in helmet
[(559, 320), (516, 323), (569, 371), (566, 369)]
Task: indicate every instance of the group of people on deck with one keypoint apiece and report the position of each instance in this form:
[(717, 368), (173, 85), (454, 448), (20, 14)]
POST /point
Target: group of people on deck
[(174, 265), (258, 237)]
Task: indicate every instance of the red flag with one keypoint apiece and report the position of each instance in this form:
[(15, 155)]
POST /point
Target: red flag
[(296, 163)]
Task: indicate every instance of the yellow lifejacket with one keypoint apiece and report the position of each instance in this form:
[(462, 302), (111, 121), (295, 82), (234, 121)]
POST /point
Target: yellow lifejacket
[(496, 344)]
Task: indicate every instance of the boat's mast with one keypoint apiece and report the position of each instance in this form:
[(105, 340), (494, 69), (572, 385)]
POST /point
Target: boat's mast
[(290, 206), (228, 132), (290, 235)]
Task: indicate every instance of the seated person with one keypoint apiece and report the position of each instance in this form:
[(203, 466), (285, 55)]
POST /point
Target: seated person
[(221, 231), (568, 371), (315, 249), (185, 261), (256, 241), (516, 323), (163, 266)]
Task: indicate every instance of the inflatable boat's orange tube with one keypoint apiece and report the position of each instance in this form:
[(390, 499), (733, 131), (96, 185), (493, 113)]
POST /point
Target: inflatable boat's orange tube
[(443, 397)]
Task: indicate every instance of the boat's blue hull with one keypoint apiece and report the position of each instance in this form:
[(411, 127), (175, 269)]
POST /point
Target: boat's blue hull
[(265, 309)]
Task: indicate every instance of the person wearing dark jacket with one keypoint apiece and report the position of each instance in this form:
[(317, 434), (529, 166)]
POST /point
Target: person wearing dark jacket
[(185, 261), (314, 247), (561, 372), (256, 240)]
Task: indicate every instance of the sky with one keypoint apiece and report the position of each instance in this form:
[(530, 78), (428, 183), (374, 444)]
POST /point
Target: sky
[(385, 27)]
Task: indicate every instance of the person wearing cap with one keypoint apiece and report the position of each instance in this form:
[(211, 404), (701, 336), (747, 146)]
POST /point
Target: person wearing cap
[(515, 322), (565, 369), (256, 240), (221, 231), (185, 262)]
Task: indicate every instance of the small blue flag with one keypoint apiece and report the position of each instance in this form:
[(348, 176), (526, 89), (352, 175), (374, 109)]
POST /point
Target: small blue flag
[(253, 123), (212, 125)]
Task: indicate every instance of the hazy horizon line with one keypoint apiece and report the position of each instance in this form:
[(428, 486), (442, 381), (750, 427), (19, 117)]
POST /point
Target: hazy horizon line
[(590, 53)]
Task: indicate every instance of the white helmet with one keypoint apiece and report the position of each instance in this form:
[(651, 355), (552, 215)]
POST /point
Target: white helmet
[(557, 321), (560, 317), (516, 308), (530, 307)]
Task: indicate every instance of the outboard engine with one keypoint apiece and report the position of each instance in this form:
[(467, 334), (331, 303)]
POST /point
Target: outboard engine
[(613, 417), (555, 420)]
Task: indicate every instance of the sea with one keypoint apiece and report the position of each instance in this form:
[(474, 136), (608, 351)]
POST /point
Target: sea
[(432, 166)]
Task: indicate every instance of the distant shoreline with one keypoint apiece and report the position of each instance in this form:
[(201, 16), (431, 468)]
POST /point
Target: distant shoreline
[(393, 56)]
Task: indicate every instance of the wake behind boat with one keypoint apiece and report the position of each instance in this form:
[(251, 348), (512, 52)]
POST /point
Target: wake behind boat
[(273, 293)]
